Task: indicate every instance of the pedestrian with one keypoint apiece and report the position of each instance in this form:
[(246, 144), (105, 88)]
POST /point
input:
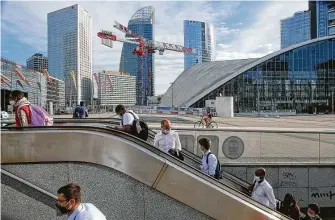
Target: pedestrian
[(313, 212), (127, 119), (22, 109), (289, 207), (69, 203), (210, 164), (262, 191), (168, 140), (80, 111)]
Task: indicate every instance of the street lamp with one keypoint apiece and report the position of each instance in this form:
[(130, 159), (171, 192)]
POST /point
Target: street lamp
[(172, 92)]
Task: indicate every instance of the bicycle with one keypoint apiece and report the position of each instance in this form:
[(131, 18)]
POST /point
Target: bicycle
[(201, 124)]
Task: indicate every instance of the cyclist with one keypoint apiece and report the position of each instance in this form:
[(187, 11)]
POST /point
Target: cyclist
[(207, 117)]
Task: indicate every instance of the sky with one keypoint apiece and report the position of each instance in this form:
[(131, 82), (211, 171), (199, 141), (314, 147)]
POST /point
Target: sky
[(243, 29)]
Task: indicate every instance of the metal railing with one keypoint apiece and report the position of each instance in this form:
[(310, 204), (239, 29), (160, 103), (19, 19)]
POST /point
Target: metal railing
[(263, 145)]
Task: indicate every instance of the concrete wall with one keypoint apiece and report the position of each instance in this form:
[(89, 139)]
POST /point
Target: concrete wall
[(117, 195), (224, 106), (309, 184)]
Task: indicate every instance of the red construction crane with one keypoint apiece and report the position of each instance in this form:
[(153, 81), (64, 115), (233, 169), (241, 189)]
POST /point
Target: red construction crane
[(143, 47)]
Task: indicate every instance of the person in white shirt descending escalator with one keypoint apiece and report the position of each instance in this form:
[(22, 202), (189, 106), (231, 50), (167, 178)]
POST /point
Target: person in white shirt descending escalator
[(262, 191), (167, 139), (69, 203)]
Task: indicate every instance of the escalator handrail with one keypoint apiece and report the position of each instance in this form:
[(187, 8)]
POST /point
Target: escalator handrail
[(166, 156)]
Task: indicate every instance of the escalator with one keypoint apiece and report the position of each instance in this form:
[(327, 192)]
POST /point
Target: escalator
[(135, 158)]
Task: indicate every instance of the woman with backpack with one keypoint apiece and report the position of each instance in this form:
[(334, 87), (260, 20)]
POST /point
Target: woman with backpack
[(21, 108)]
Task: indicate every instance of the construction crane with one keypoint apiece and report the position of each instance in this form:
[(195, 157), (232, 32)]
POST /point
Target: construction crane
[(142, 48)]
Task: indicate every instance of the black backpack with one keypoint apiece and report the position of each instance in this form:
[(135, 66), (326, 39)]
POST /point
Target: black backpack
[(139, 129), (218, 174)]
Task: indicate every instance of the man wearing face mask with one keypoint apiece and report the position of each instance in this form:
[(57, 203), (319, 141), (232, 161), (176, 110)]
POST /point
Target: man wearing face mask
[(313, 212), (21, 108), (262, 191), (128, 117), (167, 139), (69, 203)]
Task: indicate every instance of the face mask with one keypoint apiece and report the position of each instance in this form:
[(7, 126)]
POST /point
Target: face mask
[(257, 178), (164, 131), (291, 204), (62, 209), (310, 215), (11, 102)]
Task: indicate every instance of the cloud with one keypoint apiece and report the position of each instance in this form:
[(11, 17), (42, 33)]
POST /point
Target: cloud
[(233, 41)]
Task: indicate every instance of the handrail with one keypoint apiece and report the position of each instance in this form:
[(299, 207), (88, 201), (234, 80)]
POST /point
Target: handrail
[(149, 147)]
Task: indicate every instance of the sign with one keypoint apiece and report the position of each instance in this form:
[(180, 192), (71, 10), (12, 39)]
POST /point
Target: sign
[(233, 147)]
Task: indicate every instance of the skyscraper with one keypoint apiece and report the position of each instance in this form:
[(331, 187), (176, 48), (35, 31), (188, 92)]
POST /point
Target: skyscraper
[(70, 50), (37, 62), (200, 36), (322, 18), (142, 23), (295, 29)]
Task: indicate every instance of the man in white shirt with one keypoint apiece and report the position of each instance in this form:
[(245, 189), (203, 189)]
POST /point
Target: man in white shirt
[(209, 160), (262, 191), (128, 117), (69, 202), (167, 139)]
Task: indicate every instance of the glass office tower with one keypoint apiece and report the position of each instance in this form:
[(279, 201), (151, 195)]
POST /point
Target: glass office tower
[(200, 36), (142, 24), (322, 18), (295, 29), (70, 48)]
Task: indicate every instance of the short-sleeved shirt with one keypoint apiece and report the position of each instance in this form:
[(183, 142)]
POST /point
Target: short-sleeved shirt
[(87, 211), (128, 118)]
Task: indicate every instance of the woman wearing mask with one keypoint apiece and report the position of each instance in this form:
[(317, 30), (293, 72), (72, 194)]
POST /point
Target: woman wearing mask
[(289, 207), (167, 139), (313, 212)]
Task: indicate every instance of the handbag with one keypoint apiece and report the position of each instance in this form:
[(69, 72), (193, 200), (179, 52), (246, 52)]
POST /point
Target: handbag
[(177, 154)]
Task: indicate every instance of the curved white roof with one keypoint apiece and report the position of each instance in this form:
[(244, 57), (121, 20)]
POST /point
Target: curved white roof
[(200, 79)]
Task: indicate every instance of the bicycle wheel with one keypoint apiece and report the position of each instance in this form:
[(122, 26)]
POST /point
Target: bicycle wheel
[(198, 124), (213, 124)]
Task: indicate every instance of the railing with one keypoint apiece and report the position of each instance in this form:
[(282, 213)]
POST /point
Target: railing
[(263, 145)]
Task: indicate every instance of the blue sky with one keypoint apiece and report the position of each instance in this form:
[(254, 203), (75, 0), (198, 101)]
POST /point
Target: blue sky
[(243, 29)]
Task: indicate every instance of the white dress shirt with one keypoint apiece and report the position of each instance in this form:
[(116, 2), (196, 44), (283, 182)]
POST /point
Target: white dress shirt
[(87, 211), (263, 193), (209, 168), (165, 142), (128, 118)]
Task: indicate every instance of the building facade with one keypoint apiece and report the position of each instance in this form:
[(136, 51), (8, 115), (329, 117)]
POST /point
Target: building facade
[(142, 23), (37, 62), (70, 51), (295, 29), (35, 87), (200, 36), (56, 94), (299, 78), (322, 18), (116, 88)]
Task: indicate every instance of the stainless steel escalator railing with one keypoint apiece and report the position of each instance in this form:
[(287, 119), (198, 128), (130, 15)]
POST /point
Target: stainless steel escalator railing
[(161, 171)]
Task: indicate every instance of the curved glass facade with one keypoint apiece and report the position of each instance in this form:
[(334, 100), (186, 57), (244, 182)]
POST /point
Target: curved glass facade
[(200, 36), (298, 80), (142, 24)]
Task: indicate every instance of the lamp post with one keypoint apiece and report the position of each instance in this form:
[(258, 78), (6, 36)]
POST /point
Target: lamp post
[(172, 93), (332, 102)]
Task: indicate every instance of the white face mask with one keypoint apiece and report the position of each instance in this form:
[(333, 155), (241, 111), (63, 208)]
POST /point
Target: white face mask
[(11, 102), (257, 178), (164, 131), (310, 215)]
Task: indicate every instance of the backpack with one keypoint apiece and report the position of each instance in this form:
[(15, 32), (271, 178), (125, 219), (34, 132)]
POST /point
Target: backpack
[(39, 117), (218, 174), (139, 129)]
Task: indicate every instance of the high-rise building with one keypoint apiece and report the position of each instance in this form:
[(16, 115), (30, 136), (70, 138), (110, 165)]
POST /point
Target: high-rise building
[(70, 50), (116, 88), (295, 29), (322, 18), (142, 23), (37, 62), (56, 94), (200, 36)]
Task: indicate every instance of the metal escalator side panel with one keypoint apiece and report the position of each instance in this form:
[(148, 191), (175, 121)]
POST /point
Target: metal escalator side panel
[(82, 146)]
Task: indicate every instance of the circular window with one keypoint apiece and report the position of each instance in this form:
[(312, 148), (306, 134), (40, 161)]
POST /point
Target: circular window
[(233, 147)]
